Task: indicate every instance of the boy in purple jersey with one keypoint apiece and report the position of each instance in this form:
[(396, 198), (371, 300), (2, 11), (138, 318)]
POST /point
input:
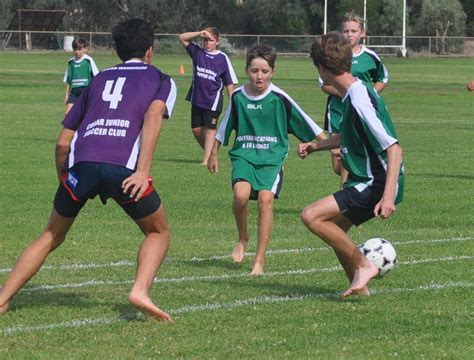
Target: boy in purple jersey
[(212, 71), (106, 149)]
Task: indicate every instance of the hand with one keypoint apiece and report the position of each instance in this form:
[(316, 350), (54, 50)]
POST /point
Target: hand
[(305, 149), (204, 34), (136, 185), (65, 100), (213, 164), (384, 208), (470, 85)]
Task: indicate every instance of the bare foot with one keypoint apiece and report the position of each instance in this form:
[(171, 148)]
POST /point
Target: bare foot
[(204, 163), (257, 268), (365, 291), (362, 277), (146, 306), (238, 253)]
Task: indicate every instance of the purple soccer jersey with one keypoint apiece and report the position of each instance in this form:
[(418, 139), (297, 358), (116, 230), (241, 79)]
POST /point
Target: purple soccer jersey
[(108, 117), (212, 71)]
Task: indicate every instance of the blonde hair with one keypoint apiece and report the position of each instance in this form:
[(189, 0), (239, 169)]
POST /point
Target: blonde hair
[(352, 16)]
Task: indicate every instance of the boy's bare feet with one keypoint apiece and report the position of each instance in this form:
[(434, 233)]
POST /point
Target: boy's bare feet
[(146, 306), (238, 253), (362, 276), (257, 268), (4, 308)]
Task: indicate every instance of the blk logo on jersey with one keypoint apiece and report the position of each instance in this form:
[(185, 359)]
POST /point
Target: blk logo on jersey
[(254, 107)]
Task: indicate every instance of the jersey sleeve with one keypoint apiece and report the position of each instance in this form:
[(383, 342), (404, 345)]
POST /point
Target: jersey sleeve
[(192, 49), (228, 123), (67, 75), (167, 93), (229, 76), (94, 68), (381, 73), (379, 130)]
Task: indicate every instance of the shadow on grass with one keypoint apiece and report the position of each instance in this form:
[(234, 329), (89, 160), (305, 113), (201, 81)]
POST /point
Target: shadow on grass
[(184, 161), (51, 299)]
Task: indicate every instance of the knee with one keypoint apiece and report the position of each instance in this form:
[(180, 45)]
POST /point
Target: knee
[(265, 203), (308, 217)]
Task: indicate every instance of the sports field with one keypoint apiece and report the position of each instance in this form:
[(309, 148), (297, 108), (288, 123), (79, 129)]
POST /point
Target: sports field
[(76, 307)]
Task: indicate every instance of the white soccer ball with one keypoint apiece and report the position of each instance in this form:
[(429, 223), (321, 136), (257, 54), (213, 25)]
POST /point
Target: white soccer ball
[(381, 253)]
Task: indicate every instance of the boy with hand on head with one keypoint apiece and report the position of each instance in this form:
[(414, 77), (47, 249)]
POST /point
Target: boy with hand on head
[(79, 72), (262, 115), (212, 71), (97, 154), (366, 66), (371, 154)]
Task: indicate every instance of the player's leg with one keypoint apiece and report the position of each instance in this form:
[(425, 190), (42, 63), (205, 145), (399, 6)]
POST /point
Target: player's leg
[(197, 123), (240, 209), (322, 218), (265, 222), (150, 257), (208, 136), (33, 257)]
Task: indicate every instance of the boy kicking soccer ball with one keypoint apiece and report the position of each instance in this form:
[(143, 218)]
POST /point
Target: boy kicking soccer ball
[(371, 154)]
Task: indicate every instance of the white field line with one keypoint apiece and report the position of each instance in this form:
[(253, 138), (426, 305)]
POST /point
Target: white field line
[(128, 263), (262, 300), (95, 282)]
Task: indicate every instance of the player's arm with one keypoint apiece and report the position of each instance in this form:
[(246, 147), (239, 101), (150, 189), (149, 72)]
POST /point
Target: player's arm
[(185, 38), (137, 183), (332, 142), (63, 145), (66, 96), (212, 162), (379, 86), (386, 206), (230, 90)]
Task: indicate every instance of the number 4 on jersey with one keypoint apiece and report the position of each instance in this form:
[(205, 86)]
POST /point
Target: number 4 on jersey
[(116, 96)]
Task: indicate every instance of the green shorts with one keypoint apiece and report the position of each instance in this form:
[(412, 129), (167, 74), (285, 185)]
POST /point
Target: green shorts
[(260, 177)]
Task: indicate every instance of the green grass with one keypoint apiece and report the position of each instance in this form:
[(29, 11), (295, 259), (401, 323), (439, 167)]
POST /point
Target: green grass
[(422, 310)]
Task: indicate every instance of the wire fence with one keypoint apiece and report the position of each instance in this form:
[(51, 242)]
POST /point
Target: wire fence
[(237, 44)]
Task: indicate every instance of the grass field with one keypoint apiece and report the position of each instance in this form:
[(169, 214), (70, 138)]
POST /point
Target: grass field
[(76, 307)]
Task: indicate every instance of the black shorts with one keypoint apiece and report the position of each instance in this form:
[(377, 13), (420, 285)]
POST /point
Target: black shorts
[(203, 117), (74, 94), (86, 180), (357, 206)]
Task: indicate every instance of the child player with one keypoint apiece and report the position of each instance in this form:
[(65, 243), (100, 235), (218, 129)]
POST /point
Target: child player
[(79, 72), (212, 71), (106, 148), (366, 66), (371, 154), (262, 115)]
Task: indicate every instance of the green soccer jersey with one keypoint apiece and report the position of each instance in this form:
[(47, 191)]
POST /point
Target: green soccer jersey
[(366, 132), (262, 124), (366, 66), (80, 73)]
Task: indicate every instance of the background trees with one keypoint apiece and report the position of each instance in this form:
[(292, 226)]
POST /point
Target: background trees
[(426, 17)]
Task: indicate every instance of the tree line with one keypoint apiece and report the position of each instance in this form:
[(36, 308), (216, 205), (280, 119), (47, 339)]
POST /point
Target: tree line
[(286, 17)]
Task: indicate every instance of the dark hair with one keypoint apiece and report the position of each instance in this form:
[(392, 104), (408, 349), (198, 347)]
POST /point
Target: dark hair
[(333, 52), (261, 51), (79, 43), (132, 38)]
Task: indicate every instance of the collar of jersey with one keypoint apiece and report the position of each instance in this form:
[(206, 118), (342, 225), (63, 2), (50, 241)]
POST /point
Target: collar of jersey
[(258, 97)]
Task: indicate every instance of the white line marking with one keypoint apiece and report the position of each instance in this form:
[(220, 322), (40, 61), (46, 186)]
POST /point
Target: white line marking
[(263, 300), (127, 263), (95, 282)]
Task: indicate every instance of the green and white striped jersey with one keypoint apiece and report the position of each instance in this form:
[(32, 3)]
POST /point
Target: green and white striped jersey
[(262, 124), (80, 73), (367, 131)]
